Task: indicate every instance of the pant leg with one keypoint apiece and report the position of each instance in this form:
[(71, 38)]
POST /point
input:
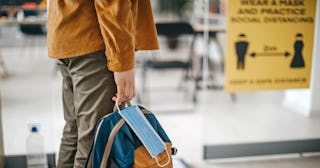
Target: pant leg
[(93, 89), (68, 146)]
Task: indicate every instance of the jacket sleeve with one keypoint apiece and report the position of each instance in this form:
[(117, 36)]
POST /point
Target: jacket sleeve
[(117, 28)]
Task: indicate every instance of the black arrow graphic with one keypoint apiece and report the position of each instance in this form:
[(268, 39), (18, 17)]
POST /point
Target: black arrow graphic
[(286, 54)]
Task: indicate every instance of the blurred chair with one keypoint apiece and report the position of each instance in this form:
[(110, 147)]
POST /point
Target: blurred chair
[(171, 30), (4, 70), (31, 32), (3, 13), (32, 29)]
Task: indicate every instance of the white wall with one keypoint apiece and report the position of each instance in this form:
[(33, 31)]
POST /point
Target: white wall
[(307, 101), (315, 83)]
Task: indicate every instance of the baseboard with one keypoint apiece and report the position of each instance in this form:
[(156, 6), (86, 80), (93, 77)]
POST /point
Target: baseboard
[(261, 148), (20, 161)]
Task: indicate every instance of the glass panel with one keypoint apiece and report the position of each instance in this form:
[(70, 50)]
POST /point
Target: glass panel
[(182, 83)]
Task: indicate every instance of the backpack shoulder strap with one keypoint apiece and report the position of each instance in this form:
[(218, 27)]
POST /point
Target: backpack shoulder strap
[(106, 154), (107, 150)]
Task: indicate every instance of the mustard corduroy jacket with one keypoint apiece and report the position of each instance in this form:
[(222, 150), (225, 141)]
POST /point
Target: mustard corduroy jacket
[(80, 27)]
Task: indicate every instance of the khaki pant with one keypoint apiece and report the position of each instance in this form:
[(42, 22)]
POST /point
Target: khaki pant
[(88, 87)]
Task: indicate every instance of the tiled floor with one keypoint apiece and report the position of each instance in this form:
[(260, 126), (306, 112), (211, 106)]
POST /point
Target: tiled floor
[(31, 94)]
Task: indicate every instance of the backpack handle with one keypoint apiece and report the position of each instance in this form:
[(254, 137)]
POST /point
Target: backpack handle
[(168, 162), (117, 107)]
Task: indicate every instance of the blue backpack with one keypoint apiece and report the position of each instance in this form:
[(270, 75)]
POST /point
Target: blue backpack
[(116, 145)]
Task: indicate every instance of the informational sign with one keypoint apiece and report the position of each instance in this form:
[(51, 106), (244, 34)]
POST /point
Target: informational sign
[(270, 44)]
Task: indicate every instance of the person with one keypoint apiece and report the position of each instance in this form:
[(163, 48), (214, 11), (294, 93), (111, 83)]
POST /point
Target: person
[(94, 42), (241, 51)]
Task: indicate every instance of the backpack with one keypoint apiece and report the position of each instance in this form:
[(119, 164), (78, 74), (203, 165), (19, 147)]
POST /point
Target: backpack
[(116, 145)]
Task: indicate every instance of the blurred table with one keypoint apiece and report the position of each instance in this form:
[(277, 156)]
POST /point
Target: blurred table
[(26, 21), (217, 25)]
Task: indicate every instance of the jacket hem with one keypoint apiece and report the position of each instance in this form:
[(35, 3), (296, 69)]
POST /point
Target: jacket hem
[(78, 54)]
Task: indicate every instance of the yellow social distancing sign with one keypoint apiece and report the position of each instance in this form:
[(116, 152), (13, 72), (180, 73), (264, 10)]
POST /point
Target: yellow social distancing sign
[(270, 44)]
